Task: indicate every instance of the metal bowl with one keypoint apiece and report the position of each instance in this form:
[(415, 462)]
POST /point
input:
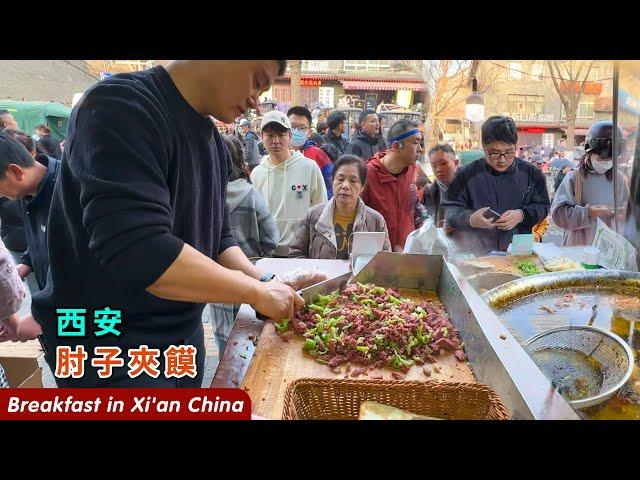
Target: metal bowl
[(603, 280), (612, 354)]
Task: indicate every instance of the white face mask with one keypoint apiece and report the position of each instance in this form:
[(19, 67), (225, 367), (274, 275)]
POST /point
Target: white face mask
[(600, 166)]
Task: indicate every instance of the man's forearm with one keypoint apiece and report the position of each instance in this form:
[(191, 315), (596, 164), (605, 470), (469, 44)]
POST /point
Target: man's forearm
[(194, 277), (234, 258)]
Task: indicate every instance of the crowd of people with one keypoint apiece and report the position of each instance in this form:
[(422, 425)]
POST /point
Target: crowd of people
[(155, 211)]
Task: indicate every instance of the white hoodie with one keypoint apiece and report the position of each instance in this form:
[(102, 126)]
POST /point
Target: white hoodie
[(290, 189)]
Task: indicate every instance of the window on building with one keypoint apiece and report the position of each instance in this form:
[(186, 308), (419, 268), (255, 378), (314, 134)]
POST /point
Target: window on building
[(315, 65), (367, 64), (515, 70), (594, 74), (525, 104), (586, 108), (536, 71)]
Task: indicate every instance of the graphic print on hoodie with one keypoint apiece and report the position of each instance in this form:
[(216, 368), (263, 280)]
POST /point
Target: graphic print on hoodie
[(289, 189)]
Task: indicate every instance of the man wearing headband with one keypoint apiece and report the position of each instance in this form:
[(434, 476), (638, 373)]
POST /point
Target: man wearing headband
[(512, 188), (390, 185)]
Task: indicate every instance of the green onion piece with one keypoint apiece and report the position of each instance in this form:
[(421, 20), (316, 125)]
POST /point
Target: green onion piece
[(309, 344), (282, 326)]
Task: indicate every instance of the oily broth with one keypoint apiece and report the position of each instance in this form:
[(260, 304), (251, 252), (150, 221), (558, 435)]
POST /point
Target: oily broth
[(534, 314)]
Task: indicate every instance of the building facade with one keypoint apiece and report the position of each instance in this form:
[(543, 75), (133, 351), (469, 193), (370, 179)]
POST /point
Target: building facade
[(355, 83), (525, 91)]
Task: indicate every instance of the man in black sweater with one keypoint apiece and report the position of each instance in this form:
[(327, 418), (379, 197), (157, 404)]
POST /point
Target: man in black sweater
[(139, 221)]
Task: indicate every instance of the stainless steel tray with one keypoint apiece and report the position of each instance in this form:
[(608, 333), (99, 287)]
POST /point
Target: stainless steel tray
[(495, 356)]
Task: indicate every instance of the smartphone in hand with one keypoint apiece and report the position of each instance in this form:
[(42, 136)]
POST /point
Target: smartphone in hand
[(491, 215)]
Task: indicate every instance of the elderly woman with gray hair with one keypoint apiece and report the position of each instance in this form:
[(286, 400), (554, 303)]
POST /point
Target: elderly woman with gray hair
[(326, 229)]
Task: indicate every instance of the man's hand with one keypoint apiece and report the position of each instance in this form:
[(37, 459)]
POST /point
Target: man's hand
[(278, 301), (23, 270), (599, 211), (16, 329), (477, 219), (510, 219)]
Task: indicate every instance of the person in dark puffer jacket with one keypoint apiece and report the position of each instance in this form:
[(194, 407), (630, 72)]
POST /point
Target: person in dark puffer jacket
[(366, 142)]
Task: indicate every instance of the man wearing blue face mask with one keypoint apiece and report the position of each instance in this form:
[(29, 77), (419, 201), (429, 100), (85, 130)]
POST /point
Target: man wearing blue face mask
[(300, 119), (586, 194)]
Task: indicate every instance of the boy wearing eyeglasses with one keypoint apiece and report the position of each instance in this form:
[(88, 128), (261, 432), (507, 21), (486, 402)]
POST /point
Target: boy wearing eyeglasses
[(497, 196)]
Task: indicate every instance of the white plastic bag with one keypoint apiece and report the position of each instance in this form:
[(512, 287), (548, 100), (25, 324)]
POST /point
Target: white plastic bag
[(299, 279), (429, 240)]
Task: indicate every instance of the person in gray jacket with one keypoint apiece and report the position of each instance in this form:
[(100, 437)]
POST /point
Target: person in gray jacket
[(586, 193), (326, 230), (252, 224), (253, 228), (250, 141)]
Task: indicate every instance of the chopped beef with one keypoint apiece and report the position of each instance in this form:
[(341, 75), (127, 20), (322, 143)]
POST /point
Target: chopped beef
[(337, 361), (366, 325), (460, 355)]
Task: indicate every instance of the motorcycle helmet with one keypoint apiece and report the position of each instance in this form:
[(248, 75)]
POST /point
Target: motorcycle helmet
[(599, 139)]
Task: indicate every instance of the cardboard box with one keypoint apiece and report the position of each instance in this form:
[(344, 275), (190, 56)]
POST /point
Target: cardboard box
[(22, 372), (20, 364)]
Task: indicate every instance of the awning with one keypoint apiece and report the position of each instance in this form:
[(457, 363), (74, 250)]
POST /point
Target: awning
[(364, 76), (590, 88), (551, 126), (362, 85)]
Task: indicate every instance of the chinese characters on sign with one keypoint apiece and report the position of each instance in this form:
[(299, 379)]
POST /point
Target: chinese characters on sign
[(179, 360), (71, 321), (310, 83)]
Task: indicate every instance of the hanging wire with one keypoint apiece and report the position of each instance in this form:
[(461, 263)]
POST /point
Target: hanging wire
[(81, 70), (541, 76)]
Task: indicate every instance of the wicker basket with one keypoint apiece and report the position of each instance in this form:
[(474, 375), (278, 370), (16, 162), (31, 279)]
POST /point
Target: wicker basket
[(338, 399)]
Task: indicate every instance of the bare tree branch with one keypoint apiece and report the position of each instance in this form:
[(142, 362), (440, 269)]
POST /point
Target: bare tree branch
[(570, 90)]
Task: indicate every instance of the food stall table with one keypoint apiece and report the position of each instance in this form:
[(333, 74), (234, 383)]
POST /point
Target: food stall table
[(246, 330)]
